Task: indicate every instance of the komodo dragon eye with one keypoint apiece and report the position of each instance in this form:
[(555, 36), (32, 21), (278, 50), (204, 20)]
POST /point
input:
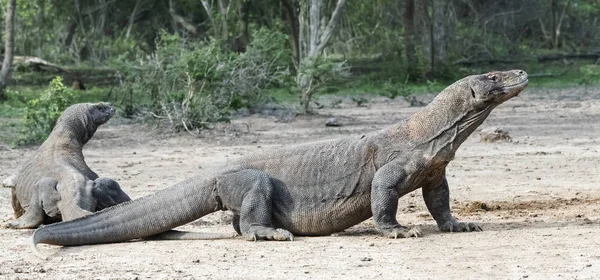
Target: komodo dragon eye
[(492, 77)]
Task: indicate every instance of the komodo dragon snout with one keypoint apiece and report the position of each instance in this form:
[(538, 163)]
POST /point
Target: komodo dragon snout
[(497, 87)]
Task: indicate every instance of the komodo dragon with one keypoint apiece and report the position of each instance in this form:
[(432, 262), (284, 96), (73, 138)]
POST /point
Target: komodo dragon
[(56, 183), (317, 188)]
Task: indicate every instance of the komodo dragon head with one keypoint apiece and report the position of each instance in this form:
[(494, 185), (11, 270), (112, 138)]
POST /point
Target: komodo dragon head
[(84, 118), (483, 92), (460, 108), (494, 88)]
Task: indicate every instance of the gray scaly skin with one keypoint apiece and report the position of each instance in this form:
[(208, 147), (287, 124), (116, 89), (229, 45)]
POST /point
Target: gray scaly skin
[(56, 184), (317, 188)]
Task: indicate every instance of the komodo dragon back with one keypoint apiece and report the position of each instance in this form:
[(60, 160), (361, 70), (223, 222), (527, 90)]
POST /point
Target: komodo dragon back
[(321, 187)]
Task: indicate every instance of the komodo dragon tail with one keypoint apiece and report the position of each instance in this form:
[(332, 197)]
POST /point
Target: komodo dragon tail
[(148, 217)]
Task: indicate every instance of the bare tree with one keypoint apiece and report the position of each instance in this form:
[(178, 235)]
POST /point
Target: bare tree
[(441, 14), (557, 23), (311, 50), (409, 40), (6, 71)]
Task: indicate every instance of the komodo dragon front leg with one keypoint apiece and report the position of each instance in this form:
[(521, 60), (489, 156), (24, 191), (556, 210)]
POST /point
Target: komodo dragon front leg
[(389, 181), (82, 196), (107, 192), (437, 199)]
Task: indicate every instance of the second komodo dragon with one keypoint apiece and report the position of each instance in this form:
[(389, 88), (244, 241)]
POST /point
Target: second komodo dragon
[(317, 188), (55, 183)]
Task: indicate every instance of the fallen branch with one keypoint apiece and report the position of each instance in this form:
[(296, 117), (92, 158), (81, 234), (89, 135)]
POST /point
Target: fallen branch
[(37, 64)]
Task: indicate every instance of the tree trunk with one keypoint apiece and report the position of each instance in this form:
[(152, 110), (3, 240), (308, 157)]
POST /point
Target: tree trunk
[(316, 44), (409, 42), (241, 42), (557, 25), (291, 16), (553, 8), (441, 26), (71, 28), (439, 39), (224, 16), (6, 71), (132, 18)]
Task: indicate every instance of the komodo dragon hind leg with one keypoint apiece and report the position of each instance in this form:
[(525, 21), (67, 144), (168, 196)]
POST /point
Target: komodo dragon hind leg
[(16, 205), (108, 193), (42, 204), (437, 199), (248, 193)]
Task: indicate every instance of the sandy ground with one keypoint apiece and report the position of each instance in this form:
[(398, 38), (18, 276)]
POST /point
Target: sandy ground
[(537, 199)]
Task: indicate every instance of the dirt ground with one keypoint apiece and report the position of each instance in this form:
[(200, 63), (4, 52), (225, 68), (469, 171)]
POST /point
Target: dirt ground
[(537, 199)]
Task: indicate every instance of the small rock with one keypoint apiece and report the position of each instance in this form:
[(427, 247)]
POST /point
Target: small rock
[(493, 134), (8, 182), (366, 259), (18, 270), (40, 270), (333, 122)]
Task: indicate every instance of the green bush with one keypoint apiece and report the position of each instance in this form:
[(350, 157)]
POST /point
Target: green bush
[(316, 72), (192, 84), (589, 74), (42, 113)]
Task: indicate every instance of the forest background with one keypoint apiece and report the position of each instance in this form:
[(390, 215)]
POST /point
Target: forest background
[(187, 64)]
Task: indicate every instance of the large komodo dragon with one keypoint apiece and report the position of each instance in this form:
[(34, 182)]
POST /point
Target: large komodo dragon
[(56, 183), (317, 188)]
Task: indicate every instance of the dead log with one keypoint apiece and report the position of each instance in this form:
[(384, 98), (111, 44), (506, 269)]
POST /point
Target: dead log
[(37, 64)]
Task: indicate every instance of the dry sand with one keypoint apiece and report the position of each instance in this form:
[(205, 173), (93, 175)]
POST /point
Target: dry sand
[(537, 199)]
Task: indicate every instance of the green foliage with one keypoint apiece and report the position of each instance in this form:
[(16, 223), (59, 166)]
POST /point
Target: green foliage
[(42, 113), (316, 72), (360, 101), (393, 90), (589, 74), (193, 83)]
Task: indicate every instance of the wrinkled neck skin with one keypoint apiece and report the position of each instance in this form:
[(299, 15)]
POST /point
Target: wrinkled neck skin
[(72, 133), (437, 130)]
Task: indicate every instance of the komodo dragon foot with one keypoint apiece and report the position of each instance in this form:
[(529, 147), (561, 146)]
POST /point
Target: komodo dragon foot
[(265, 233), (451, 226), (402, 232)]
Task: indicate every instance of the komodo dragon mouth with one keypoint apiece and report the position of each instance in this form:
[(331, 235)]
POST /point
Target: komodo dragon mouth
[(511, 88)]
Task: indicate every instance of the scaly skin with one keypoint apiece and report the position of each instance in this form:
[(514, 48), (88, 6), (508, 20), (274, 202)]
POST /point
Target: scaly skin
[(56, 183), (317, 188)]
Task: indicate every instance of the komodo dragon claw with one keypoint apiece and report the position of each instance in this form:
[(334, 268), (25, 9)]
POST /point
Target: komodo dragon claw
[(403, 232)]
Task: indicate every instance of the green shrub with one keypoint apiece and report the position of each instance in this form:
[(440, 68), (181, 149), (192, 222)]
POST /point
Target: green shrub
[(42, 113), (589, 74), (316, 72), (192, 84)]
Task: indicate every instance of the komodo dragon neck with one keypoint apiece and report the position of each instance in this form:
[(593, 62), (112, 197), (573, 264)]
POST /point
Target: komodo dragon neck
[(438, 129), (64, 139)]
